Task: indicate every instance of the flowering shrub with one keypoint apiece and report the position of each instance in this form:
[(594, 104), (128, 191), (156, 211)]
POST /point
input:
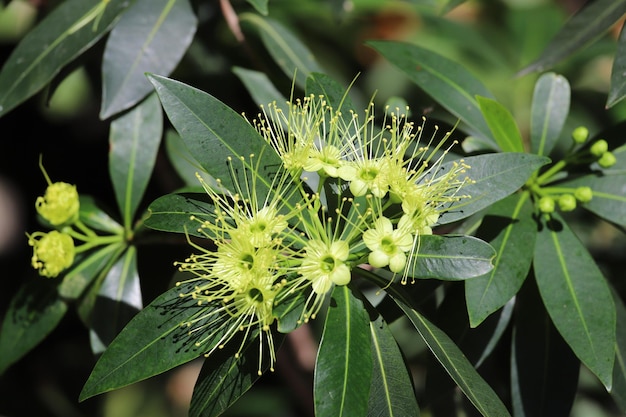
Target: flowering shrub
[(319, 211)]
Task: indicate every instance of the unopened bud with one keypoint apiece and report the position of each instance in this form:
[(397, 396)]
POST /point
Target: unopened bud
[(567, 202), (583, 194), (546, 204), (580, 134), (599, 148), (607, 160)]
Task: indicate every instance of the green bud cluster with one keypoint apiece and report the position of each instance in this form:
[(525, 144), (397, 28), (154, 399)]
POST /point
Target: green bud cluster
[(580, 134)]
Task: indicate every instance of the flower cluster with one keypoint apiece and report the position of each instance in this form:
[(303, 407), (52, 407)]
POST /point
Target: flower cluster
[(58, 208), (348, 192)]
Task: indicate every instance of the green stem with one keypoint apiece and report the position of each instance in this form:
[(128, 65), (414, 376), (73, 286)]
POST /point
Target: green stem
[(99, 241), (546, 176)]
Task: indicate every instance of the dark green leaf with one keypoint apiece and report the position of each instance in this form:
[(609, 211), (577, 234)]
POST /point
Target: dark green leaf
[(618, 82), (62, 36), (94, 217), (82, 273), (618, 389), (544, 371), (119, 299), (224, 378), (344, 359), (456, 364), (502, 125), (154, 341), (172, 212), (134, 140), (391, 391), (494, 177), (33, 313), (450, 84), (450, 257), (291, 55), (151, 36), (550, 107), (213, 132), (509, 226), (582, 28), (609, 195), (260, 87), (566, 275)]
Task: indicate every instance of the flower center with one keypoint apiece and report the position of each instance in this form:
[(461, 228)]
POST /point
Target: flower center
[(255, 294), (258, 227), (388, 245), (327, 263), (368, 174), (247, 261)]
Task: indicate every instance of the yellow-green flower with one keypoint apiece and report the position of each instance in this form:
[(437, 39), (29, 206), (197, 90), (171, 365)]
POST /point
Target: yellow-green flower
[(60, 204), (324, 264), (388, 246), (53, 252)]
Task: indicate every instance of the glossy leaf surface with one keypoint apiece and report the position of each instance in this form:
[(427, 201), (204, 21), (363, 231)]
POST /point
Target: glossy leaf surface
[(32, 314), (344, 360), (151, 36), (550, 107), (503, 127), (64, 34), (510, 223), (391, 391), (618, 83), (449, 83), (566, 274), (494, 177), (134, 140), (151, 343), (172, 212), (451, 257)]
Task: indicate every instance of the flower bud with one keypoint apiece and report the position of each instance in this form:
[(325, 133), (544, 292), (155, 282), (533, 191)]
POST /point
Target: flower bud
[(546, 204), (599, 148), (583, 194), (607, 160), (52, 252), (567, 202), (580, 134), (60, 204)]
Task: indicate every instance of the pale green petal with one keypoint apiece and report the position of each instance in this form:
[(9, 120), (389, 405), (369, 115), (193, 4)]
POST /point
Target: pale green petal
[(358, 187), (341, 275), (340, 250), (378, 259), (347, 172), (397, 262)]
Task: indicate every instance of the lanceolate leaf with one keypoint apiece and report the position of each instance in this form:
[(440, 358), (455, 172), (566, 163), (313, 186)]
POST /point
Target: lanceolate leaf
[(450, 257), (172, 212), (94, 217), (291, 55), (62, 36), (152, 342), (618, 81), (151, 36), (134, 140), (119, 299), (391, 391), (213, 133), (494, 176), (33, 313), (585, 26), (566, 275), (510, 223), (450, 84), (550, 107), (502, 124), (344, 360), (456, 364), (224, 378)]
